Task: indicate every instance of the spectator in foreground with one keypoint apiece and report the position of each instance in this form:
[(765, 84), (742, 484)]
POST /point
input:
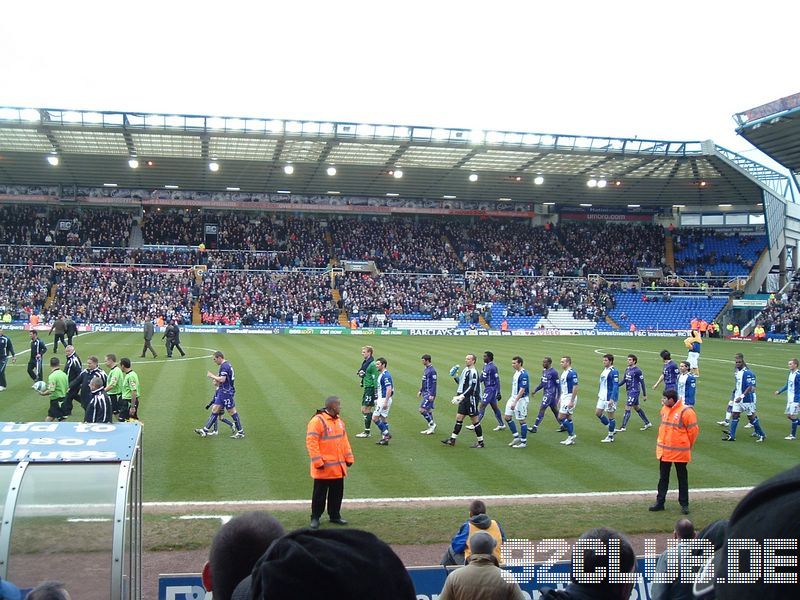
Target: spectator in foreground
[(459, 549), (674, 590), (481, 578), (592, 561), (235, 549), (49, 590), (332, 564)]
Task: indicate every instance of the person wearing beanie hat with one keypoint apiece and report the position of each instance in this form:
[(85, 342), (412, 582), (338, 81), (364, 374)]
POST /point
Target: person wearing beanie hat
[(481, 577), (766, 522), (332, 564), (330, 456)]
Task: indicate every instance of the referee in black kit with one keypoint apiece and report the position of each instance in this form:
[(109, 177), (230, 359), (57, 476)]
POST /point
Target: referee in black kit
[(38, 348)]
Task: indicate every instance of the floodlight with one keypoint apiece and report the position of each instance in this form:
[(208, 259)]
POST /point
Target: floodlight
[(398, 174), (213, 166), (601, 183), (538, 180), (592, 183), (473, 177), (53, 160), (288, 169), (133, 163), (331, 171)]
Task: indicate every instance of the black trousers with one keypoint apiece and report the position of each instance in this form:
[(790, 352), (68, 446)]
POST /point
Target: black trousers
[(35, 369), (333, 490), (59, 336), (3, 363), (664, 467)]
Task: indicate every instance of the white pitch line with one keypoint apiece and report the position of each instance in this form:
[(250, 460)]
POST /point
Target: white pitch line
[(417, 500)]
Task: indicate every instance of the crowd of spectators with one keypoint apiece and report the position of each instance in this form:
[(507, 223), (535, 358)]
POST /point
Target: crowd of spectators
[(42, 225), (239, 298), (612, 248), (782, 314), (125, 297), (400, 245), (23, 290)]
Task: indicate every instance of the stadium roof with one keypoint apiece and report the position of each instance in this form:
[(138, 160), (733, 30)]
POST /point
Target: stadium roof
[(774, 128), (175, 151)]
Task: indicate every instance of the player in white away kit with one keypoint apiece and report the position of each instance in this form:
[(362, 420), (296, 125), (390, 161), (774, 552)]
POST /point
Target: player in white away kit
[(517, 404), (792, 389), (607, 396)]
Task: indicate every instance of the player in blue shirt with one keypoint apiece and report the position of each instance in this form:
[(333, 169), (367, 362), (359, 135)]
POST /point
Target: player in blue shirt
[(550, 391), (568, 399), (490, 378), (607, 396), (427, 393), (223, 400), (669, 374), (694, 344), (744, 400), (687, 384), (792, 389), (383, 402), (634, 384)]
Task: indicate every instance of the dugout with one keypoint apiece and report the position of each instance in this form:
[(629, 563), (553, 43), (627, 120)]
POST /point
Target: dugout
[(71, 502)]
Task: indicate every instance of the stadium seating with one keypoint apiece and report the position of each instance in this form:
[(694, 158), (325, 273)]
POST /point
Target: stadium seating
[(630, 308), (701, 251)]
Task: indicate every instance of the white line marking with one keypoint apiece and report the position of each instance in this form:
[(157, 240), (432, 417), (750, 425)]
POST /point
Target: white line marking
[(565, 496), (95, 520), (223, 518)]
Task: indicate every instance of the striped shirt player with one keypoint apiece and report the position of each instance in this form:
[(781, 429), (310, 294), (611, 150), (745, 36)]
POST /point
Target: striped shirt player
[(427, 394), (687, 384), (383, 402), (551, 388), (467, 398), (568, 382), (490, 378), (517, 404), (669, 374), (744, 400), (224, 400), (607, 396), (634, 385), (792, 389), (6, 351), (99, 408)]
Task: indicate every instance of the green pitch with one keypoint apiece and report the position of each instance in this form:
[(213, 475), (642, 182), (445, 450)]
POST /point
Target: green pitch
[(281, 380)]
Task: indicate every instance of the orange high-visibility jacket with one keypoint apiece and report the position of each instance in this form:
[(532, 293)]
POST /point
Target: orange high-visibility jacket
[(328, 447), (677, 433)]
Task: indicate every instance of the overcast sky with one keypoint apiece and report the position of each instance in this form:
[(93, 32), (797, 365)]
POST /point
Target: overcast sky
[(673, 70)]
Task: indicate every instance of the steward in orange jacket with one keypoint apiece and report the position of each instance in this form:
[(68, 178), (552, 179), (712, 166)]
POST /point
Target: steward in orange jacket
[(676, 436), (330, 454)]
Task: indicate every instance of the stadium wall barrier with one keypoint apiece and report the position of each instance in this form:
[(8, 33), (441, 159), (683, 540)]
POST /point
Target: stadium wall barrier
[(428, 581), (307, 330)]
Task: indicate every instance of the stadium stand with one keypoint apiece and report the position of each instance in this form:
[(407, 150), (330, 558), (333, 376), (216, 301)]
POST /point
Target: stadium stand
[(656, 314), (613, 248), (705, 251)]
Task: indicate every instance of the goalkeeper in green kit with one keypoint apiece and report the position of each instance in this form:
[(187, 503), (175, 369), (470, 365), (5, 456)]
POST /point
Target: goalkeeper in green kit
[(369, 381)]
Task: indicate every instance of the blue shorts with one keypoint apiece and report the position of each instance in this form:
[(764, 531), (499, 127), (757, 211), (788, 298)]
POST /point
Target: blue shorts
[(632, 401), (426, 403), (489, 395), (225, 401), (548, 401)]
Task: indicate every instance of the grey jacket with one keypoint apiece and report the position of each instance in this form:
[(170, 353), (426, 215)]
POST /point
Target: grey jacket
[(148, 330), (480, 579)]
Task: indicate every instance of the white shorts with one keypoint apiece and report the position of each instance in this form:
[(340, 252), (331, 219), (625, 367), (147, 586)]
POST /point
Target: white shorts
[(520, 411), (382, 412), (563, 404), (792, 408), (693, 359), (747, 408), (606, 405)]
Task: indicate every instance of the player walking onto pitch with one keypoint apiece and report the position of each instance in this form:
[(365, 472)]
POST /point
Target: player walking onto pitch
[(427, 393), (568, 399), (744, 400), (694, 344), (6, 351), (223, 399), (369, 381), (634, 384), (490, 378), (38, 349), (467, 398), (517, 404), (792, 389), (383, 403), (607, 396), (550, 390), (687, 384), (669, 374)]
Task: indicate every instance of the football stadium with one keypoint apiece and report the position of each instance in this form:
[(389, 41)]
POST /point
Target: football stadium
[(284, 248)]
